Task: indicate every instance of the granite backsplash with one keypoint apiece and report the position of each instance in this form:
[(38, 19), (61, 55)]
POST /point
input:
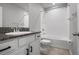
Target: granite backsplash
[(10, 29)]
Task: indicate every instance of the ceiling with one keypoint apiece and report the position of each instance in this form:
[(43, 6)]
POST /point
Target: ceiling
[(23, 5), (46, 6), (50, 6)]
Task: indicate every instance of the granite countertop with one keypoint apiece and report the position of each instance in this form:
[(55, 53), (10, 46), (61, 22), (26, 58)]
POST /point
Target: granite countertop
[(4, 37)]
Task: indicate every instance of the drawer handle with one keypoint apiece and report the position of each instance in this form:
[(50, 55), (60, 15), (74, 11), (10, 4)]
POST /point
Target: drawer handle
[(31, 49), (27, 51), (5, 48)]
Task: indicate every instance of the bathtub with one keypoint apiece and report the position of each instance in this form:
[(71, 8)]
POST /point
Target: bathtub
[(58, 41)]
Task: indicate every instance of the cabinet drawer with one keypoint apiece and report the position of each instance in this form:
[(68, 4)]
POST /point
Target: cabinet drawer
[(20, 51), (26, 40), (35, 47), (8, 46)]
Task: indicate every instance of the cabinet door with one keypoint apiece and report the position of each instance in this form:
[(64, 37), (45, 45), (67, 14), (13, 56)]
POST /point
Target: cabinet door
[(20, 51), (26, 40), (35, 48)]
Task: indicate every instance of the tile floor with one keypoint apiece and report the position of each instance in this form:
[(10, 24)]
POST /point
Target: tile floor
[(54, 51)]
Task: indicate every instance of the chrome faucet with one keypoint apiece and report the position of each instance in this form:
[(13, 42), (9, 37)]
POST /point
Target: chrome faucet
[(15, 29)]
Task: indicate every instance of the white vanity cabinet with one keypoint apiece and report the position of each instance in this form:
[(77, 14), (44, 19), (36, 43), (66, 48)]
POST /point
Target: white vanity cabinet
[(24, 45), (32, 44), (35, 46)]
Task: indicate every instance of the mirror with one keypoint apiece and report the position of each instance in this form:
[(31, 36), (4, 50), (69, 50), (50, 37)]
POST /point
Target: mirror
[(11, 15), (0, 16)]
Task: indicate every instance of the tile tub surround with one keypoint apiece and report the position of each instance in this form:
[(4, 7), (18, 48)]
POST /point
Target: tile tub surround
[(10, 29)]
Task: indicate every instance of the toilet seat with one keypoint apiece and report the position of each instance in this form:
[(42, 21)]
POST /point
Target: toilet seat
[(47, 41)]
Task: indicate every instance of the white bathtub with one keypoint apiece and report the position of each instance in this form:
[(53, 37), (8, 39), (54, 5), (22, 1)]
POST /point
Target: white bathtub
[(58, 41)]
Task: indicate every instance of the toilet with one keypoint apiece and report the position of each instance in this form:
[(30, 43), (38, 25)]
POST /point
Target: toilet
[(45, 42)]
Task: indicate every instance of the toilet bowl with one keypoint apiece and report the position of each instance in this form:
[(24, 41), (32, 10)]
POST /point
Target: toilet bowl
[(45, 42)]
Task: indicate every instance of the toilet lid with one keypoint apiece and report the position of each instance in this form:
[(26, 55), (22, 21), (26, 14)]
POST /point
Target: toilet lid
[(45, 41)]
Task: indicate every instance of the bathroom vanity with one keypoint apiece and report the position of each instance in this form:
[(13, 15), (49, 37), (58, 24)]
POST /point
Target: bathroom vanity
[(24, 44)]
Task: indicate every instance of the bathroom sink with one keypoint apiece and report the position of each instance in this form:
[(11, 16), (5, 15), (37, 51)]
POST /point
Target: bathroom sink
[(17, 33)]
